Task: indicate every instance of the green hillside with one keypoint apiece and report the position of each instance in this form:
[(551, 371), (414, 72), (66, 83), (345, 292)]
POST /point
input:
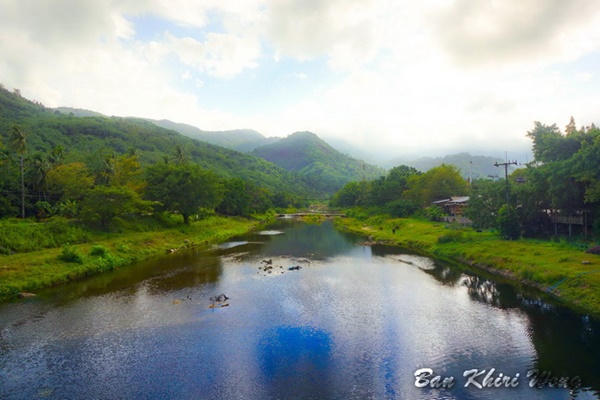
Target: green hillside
[(91, 138), (244, 140), (320, 165)]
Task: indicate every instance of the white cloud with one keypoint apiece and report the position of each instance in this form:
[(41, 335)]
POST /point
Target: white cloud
[(221, 55), (406, 76), (496, 32), (343, 30)]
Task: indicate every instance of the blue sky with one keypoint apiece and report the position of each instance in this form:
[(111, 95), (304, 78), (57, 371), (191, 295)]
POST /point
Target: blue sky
[(393, 78)]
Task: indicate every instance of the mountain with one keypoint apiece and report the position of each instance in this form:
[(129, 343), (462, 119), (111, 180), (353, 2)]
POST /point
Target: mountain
[(244, 140), (319, 164), (469, 165), (78, 112), (91, 138)]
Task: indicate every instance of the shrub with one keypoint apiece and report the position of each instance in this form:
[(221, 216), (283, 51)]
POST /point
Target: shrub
[(434, 213), (98, 250), (70, 254), (453, 236)]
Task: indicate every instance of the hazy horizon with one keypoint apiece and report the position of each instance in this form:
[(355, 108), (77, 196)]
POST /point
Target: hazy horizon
[(393, 79)]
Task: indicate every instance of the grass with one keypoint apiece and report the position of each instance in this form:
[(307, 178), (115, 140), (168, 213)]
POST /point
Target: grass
[(28, 271), (541, 264)]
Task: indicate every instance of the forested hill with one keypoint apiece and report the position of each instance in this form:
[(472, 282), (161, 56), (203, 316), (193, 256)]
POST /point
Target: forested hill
[(244, 140), (323, 167), (91, 139)]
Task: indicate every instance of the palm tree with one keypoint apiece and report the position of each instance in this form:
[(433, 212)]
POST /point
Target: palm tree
[(18, 142), (180, 155), (40, 167), (56, 156)]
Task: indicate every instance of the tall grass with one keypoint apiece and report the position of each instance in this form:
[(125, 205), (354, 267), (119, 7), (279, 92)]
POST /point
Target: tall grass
[(17, 236)]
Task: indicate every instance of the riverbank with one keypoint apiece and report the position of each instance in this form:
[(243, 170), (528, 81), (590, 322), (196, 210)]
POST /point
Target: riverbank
[(27, 272), (566, 272)]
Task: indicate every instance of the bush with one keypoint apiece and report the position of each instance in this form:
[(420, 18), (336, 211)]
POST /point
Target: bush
[(98, 250), (434, 213), (69, 254), (454, 236)]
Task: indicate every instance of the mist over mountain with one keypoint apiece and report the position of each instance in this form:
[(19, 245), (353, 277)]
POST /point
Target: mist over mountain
[(470, 166)]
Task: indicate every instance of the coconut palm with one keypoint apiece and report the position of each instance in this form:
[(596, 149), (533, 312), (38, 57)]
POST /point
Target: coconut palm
[(39, 174), (18, 142)]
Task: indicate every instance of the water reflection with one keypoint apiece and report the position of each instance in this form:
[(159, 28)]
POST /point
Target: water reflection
[(354, 322)]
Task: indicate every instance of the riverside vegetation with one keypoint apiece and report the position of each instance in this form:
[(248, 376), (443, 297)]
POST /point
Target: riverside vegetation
[(42, 261)]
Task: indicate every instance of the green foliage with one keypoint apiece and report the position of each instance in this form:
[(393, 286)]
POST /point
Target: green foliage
[(184, 188), (391, 187), (434, 213), (549, 144), (20, 237), (320, 166), (352, 194), (401, 208), (508, 223), (98, 250), (452, 236), (71, 255), (486, 198), (102, 204), (438, 183), (89, 139)]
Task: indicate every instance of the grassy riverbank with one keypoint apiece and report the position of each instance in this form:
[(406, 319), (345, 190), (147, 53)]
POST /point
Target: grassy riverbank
[(559, 267), (40, 263)]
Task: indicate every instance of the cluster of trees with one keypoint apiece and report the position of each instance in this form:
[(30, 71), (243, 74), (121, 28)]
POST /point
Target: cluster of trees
[(563, 179), (404, 190), (45, 184)]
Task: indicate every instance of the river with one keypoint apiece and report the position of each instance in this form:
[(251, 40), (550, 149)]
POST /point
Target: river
[(354, 322)]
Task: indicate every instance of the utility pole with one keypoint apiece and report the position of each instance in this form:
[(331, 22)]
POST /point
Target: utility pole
[(505, 165)]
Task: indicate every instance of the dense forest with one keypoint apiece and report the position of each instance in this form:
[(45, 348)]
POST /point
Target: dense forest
[(54, 163), (562, 180)]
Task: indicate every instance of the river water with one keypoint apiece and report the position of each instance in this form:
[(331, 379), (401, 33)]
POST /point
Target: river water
[(354, 322)]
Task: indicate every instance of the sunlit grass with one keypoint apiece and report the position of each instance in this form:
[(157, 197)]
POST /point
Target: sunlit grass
[(31, 270)]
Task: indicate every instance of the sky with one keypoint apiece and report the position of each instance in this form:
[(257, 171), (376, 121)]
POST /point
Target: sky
[(394, 78)]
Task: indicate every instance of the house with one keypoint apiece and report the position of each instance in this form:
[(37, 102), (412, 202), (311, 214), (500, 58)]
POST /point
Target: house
[(454, 207)]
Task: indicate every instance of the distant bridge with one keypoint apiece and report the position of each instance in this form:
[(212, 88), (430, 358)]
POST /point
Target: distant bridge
[(309, 213)]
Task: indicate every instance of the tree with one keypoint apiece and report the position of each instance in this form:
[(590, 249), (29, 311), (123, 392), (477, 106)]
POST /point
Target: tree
[(243, 198), (102, 204), (392, 186), (352, 194), (40, 166), (486, 198), (438, 183), (184, 188), (70, 181), (508, 223), (236, 199), (549, 144), (18, 142), (127, 172)]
